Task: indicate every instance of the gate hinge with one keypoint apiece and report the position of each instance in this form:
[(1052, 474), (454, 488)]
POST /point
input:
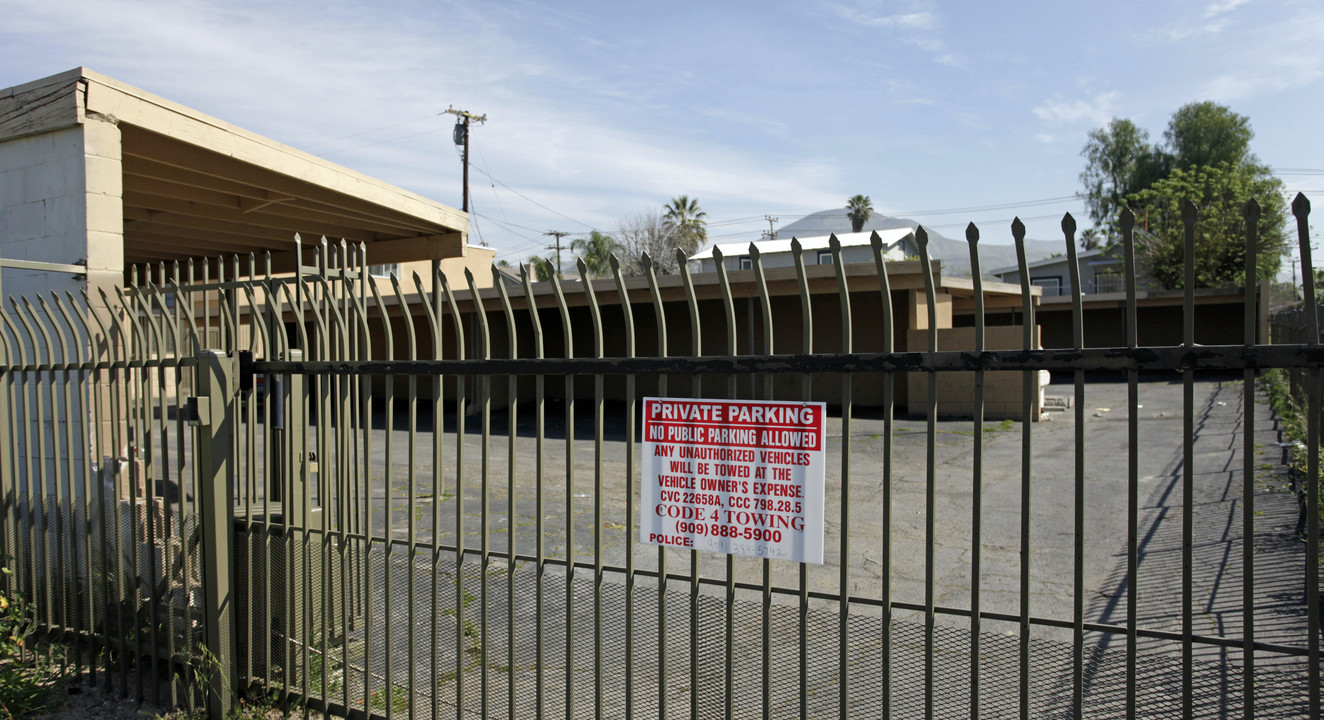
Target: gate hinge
[(246, 370)]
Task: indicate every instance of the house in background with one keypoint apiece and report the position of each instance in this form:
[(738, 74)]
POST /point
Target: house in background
[(898, 244), (1100, 272)]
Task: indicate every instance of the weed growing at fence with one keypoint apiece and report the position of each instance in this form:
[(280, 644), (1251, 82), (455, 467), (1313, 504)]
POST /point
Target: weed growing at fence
[(1292, 418), (399, 699), (26, 678)]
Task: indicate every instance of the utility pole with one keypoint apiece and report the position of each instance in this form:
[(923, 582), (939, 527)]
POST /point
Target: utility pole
[(557, 247), (461, 137), (772, 232)]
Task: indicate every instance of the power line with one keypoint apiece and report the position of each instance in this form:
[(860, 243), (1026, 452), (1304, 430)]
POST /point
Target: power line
[(985, 208), (535, 202), (558, 235)]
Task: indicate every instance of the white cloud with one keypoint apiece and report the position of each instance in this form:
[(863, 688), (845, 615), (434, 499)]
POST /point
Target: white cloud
[(1244, 69), (1222, 7), (922, 20), (917, 25), (1096, 110)]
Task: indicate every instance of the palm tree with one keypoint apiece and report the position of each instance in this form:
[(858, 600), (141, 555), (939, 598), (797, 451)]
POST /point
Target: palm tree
[(687, 223), (1092, 239), (596, 250), (859, 209)]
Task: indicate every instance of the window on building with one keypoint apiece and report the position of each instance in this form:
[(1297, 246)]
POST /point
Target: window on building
[(824, 257), (1052, 285), (746, 263), (385, 271), (1109, 282)]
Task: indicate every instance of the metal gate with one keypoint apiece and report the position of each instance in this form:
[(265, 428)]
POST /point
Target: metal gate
[(392, 499)]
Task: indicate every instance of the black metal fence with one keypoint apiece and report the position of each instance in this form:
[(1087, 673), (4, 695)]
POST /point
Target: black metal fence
[(391, 501)]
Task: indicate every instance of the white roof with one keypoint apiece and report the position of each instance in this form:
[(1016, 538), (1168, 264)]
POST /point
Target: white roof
[(889, 238)]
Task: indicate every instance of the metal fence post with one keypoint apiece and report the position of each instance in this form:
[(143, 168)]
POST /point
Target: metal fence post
[(215, 396)]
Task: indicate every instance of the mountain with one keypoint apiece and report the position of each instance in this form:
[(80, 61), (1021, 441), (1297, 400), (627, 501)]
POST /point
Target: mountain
[(954, 254)]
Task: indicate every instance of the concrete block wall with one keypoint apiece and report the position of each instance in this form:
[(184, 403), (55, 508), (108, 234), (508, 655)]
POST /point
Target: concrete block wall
[(61, 201), (1003, 390)]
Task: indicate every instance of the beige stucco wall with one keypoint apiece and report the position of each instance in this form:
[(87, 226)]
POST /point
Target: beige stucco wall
[(1003, 391)]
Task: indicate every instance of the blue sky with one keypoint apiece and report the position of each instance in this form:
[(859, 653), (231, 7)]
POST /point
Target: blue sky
[(944, 112)]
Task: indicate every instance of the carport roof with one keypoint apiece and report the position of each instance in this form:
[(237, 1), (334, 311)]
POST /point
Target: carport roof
[(195, 186)]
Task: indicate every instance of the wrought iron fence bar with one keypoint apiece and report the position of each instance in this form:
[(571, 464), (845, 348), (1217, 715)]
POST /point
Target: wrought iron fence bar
[(407, 319), (1189, 216), (41, 591), (1301, 210), (567, 333), (729, 658), (69, 268), (889, 379), (930, 472), (765, 305), (1251, 211), (540, 523), (660, 320), (461, 412), (512, 434), (977, 476), (111, 395), (432, 306), (806, 392), (168, 363), (630, 404), (1027, 386), (1200, 358), (1078, 559), (388, 690), (484, 398), (59, 474), (847, 387), (696, 348), (1132, 465), (598, 430)]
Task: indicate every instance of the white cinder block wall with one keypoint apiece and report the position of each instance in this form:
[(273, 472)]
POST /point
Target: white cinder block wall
[(61, 200)]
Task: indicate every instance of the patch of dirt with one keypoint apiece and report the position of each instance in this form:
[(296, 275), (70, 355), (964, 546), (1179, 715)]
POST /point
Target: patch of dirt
[(74, 699)]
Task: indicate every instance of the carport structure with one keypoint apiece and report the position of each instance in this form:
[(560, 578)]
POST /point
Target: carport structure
[(97, 173)]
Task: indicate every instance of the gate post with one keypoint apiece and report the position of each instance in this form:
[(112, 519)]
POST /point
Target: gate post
[(215, 398)]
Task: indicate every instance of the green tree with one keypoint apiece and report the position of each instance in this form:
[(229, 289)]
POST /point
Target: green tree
[(859, 209), (686, 223), (543, 267), (1219, 192), (1207, 134), (595, 250), (1118, 159)]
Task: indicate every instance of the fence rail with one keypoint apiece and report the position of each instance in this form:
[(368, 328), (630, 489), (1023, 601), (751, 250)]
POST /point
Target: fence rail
[(395, 501)]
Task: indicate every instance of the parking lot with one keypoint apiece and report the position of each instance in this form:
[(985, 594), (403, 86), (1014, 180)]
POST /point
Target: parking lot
[(571, 471)]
